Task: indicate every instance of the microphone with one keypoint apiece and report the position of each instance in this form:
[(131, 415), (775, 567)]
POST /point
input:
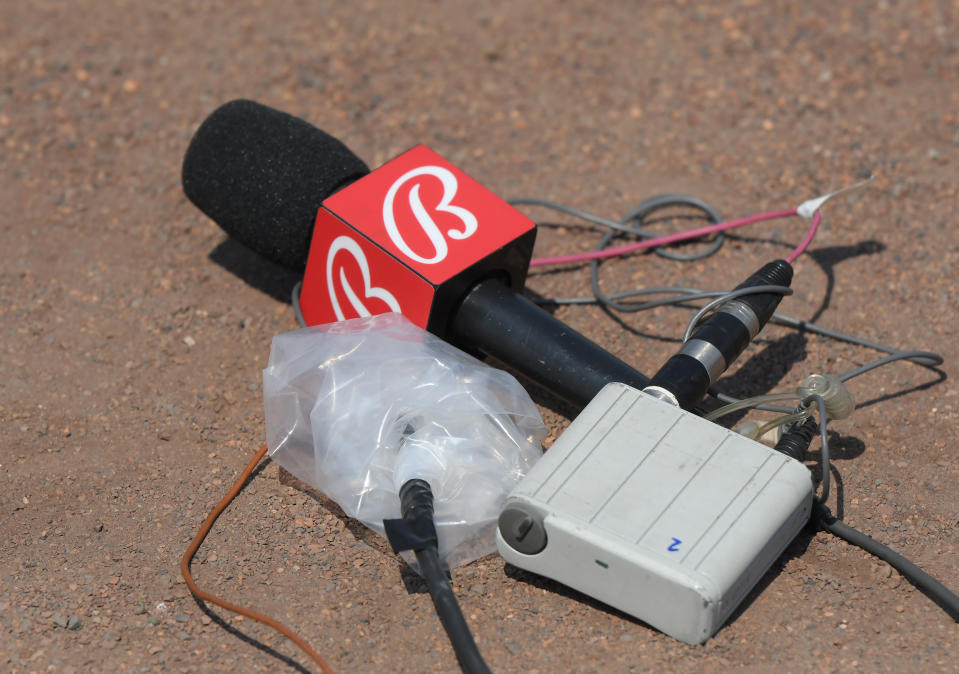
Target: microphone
[(417, 236)]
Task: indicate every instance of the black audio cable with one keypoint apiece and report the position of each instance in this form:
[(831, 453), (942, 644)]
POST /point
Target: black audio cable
[(795, 443), (416, 531)]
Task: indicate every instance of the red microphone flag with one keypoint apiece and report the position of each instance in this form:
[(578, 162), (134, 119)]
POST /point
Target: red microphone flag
[(413, 236)]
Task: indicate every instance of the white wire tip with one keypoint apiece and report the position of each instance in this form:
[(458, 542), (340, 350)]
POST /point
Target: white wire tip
[(808, 208)]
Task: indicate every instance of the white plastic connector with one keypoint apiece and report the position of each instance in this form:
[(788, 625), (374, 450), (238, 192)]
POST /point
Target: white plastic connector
[(419, 459), (750, 429), (808, 208), (839, 401)]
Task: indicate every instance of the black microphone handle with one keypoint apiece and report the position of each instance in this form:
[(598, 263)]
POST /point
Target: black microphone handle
[(497, 321)]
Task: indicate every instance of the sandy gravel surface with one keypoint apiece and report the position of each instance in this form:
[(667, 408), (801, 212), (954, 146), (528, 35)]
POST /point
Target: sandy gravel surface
[(134, 332)]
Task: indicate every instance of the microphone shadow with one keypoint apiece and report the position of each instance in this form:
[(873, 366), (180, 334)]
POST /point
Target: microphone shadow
[(767, 367), (255, 270), (762, 371), (827, 259)]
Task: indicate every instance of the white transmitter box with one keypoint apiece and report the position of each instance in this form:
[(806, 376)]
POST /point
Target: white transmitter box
[(656, 512)]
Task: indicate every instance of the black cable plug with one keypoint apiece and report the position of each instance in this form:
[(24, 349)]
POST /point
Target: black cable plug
[(416, 531), (795, 443)]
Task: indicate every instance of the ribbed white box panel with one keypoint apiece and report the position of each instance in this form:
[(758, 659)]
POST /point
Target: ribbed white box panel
[(655, 511)]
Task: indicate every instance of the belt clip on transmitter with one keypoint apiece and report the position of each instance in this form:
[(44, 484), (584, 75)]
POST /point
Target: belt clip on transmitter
[(654, 510)]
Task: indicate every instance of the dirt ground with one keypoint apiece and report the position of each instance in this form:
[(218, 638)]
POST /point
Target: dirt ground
[(134, 332)]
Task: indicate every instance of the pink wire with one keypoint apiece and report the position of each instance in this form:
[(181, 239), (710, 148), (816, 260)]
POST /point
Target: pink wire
[(804, 244), (685, 236)]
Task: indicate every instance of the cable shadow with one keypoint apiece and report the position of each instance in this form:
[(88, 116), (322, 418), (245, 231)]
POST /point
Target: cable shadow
[(941, 377), (556, 270), (828, 258), (242, 636), (840, 487), (254, 270), (413, 582), (573, 227), (841, 447), (231, 629)]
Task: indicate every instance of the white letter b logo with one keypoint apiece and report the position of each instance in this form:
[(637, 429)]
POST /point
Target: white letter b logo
[(423, 218)]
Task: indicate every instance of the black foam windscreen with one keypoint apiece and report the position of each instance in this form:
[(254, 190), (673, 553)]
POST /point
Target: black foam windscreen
[(262, 174)]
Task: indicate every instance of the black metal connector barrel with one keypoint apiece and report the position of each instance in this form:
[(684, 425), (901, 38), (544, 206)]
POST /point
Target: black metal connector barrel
[(720, 338)]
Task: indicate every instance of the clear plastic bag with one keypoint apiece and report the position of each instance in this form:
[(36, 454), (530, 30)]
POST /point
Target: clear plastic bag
[(356, 408)]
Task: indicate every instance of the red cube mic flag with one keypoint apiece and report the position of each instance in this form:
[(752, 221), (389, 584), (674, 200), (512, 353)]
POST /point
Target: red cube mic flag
[(413, 237)]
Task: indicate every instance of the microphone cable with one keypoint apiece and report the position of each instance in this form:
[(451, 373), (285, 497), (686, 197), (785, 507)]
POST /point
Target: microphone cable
[(681, 296), (416, 531), (202, 595)]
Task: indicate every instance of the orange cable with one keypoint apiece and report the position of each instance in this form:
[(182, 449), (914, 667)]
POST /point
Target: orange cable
[(213, 599)]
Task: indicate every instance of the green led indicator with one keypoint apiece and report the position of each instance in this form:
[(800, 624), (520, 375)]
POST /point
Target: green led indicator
[(602, 564)]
